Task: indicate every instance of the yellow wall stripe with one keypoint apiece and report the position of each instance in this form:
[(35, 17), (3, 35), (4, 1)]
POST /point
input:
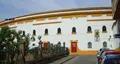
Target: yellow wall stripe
[(95, 20), (46, 23)]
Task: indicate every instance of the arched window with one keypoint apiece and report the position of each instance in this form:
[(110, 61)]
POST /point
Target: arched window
[(73, 30), (23, 33), (34, 32), (104, 44), (89, 45), (104, 29), (46, 31), (89, 29), (33, 44), (59, 31)]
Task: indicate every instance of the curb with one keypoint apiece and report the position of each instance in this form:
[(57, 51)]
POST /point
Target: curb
[(67, 59)]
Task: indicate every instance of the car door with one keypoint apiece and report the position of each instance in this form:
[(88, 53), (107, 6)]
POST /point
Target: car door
[(101, 57)]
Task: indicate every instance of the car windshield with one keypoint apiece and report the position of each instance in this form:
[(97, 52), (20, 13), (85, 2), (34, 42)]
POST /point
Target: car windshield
[(101, 53)]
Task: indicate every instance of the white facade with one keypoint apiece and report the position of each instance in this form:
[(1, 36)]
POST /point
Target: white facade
[(81, 24), (66, 35)]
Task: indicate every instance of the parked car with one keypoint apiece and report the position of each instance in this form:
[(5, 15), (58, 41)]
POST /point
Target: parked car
[(103, 54), (101, 50), (111, 57), (100, 53)]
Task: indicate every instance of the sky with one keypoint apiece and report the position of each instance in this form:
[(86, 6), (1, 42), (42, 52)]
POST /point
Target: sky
[(12, 8)]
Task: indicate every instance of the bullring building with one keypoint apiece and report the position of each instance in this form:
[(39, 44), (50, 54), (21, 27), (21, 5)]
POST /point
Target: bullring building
[(84, 30)]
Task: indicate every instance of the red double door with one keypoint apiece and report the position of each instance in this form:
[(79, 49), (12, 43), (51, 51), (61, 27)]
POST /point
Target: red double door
[(74, 47)]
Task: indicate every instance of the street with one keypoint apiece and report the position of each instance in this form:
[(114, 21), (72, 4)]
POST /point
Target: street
[(83, 60), (79, 59)]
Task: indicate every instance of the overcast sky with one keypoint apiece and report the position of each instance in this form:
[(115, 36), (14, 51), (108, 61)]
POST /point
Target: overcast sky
[(12, 8)]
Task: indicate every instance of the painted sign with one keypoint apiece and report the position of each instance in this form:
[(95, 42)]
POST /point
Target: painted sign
[(97, 35)]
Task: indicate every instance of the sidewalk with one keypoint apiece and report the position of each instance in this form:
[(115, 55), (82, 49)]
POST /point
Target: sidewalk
[(63, 60)]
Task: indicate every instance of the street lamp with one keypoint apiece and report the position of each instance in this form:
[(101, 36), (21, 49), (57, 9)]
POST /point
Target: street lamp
[(64, 45), (40, 45)]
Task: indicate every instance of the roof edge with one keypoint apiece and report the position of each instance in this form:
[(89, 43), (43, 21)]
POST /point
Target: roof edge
[(64, 10)]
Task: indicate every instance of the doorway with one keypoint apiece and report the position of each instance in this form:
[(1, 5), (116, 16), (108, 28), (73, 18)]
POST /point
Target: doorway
[(74, 47)]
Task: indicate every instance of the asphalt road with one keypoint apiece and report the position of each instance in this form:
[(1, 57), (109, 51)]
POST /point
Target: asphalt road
[(83, 59)]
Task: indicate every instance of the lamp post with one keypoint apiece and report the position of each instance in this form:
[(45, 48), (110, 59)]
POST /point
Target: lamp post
[(59, 47), (59, 44), (64, 45), (22, 47), (52, 49), (40, 46), (48, 47)]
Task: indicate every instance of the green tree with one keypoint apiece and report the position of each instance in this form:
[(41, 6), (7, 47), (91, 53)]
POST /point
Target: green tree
[(10, 40)]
